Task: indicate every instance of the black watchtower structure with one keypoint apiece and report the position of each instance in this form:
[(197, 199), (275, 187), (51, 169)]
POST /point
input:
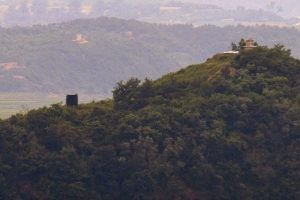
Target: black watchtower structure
[(72, 100)]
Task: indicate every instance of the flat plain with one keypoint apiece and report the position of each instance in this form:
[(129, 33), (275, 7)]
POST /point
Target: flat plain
[(14, 103)]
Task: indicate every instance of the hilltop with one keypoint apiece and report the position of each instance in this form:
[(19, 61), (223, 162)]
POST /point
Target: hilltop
[(206, 131)]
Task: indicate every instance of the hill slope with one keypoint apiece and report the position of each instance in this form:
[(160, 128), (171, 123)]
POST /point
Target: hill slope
[(205, 131), (48, 60)]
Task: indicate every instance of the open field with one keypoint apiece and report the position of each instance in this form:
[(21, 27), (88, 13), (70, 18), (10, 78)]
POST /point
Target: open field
[(13, 103)]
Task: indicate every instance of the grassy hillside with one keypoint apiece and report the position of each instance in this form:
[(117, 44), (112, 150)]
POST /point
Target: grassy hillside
[(209, 69)]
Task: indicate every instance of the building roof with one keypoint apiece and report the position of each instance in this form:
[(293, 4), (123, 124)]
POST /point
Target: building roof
[(231, 52)]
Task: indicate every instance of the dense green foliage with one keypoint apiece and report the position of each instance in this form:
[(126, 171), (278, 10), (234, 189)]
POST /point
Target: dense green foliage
[(50, 61), (225, 129)]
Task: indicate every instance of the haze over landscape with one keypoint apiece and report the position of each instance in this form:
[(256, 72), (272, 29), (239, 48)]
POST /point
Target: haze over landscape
[(286, 8), (183, 99), (198, 12)]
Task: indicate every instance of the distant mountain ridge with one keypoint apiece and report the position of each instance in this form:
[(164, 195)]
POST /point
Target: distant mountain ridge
[(287, 8), (27, 13)]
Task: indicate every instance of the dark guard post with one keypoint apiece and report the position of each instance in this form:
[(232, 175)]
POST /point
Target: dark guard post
[(72, 100)]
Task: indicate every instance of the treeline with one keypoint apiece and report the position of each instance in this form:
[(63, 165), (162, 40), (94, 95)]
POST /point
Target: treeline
[(49, 60), (225, 129)]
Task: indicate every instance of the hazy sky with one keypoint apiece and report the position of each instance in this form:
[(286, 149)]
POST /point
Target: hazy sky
[(288, 7)]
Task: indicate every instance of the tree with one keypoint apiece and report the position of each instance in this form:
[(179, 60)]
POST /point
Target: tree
[(240, 45), (125, 93), (234, 47)]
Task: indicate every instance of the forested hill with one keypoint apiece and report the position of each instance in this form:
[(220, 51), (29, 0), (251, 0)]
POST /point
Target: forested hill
[(46, 59), (225, 129)]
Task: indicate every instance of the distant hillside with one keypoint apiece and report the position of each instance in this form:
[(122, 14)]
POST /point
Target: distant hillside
[(49, 59), (224, 129), (26, 13)]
